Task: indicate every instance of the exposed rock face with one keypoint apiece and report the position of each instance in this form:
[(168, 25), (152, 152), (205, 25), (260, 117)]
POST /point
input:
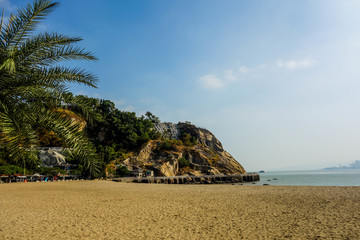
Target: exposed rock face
[(206, 157), (168, 130), (52, 157)]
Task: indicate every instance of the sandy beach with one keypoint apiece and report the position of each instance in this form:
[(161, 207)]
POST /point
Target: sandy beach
[(110, 210)]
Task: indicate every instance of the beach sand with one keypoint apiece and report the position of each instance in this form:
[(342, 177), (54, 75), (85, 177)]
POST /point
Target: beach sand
[(110, 210)]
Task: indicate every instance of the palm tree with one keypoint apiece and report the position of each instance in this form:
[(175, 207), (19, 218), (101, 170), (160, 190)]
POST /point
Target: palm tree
[(33, 86)]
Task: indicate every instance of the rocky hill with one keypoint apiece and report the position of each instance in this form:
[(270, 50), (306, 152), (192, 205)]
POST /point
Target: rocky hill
[(184, 150)]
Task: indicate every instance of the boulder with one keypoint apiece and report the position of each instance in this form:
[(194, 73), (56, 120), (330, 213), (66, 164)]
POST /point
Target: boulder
[(52, 157)]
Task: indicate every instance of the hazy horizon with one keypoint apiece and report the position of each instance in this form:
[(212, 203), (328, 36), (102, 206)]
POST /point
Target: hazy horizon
[(276, 81)]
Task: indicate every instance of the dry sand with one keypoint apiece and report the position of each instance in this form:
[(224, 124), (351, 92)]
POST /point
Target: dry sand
[(109, 210)]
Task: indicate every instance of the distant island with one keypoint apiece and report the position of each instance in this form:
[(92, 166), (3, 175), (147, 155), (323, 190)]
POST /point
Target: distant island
[(354, 165)]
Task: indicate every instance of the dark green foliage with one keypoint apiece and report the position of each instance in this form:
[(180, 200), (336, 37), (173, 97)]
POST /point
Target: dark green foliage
[(183, 162), (115, 132), (152, 117), (188, 140), (187, 127), (188, 133), (47, 138), (166, 145), (50, 171), (34, 86), (170, 144), (11, 169), (3, 162), (108, 153), (77, 171), (122, 171)]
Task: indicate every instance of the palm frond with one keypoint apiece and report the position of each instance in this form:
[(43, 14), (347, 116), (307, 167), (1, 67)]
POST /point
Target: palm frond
[(58, 54), (41, 43), (70, 131), (82, 107), (63, 75), (32, 89), (16, 134), (24, 22)]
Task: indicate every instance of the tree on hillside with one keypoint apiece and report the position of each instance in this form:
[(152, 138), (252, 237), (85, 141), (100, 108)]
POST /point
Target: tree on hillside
[(114, 132), (33, 87), (154, 119)]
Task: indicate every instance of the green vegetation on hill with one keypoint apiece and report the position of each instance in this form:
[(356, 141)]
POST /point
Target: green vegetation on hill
[(183, 162), (115, 133)]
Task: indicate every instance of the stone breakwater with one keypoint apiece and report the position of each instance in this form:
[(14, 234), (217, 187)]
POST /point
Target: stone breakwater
[(205, 179)]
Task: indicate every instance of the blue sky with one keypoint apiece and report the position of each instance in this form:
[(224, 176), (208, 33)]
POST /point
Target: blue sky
[(277, 81)]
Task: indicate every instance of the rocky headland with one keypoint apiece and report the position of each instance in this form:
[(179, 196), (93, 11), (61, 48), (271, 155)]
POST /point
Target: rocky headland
[(184, 150)]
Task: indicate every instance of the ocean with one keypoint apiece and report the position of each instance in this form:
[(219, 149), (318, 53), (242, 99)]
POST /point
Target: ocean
[(333, 177)]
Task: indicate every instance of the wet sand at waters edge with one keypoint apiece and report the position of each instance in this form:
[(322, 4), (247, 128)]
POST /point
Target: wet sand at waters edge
[(110, 210)]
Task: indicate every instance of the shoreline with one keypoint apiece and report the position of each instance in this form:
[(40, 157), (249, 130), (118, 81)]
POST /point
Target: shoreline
[(109, 210), (254, 184)]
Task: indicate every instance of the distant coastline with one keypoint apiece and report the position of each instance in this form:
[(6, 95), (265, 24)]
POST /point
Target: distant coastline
[(354, 165), (321, 177)]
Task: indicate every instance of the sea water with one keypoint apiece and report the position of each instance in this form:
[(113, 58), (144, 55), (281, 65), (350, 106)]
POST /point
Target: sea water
[(333, 177)]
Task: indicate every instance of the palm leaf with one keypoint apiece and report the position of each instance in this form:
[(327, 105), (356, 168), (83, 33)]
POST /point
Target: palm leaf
[(32, 89), (24, 22)]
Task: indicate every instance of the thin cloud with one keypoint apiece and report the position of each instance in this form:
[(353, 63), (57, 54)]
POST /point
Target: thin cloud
[(243, 69), (212, 81), (229, 75), (295, 64)]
